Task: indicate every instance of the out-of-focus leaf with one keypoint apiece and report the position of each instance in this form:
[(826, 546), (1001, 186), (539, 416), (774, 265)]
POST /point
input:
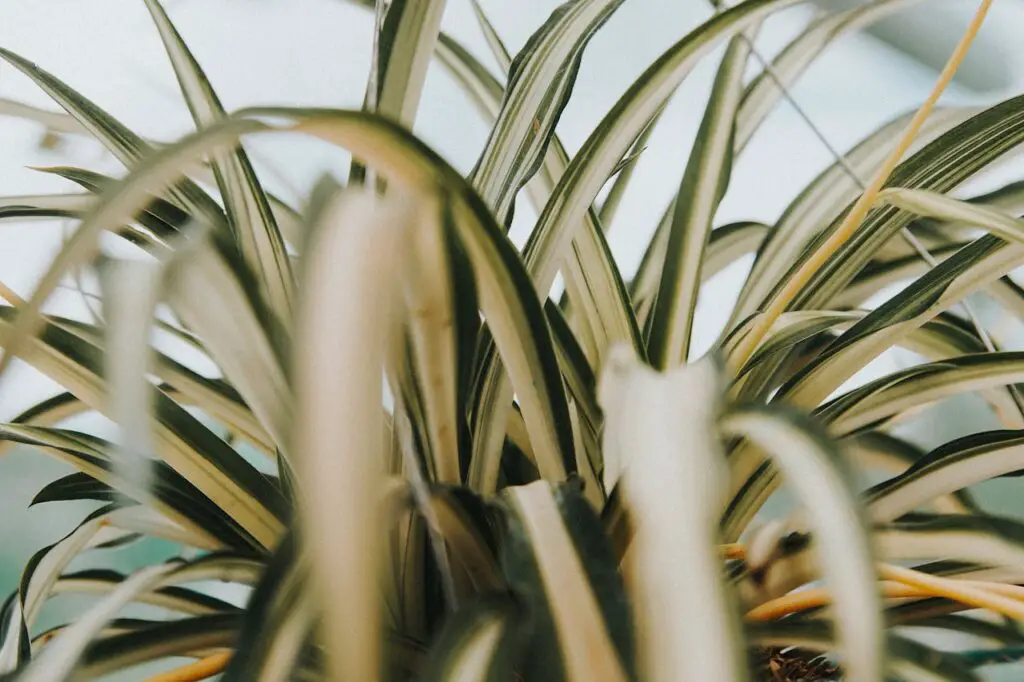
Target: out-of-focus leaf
[(575, 596), (645, 432)]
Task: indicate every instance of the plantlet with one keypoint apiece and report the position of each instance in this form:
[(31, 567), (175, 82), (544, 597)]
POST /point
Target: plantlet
[(546, 490)]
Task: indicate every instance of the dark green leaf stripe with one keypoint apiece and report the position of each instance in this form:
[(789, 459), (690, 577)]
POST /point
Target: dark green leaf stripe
[(590, 168), (940, 166), (76, 486), (702, 187), (539, 84), (174, 495), (247, 206), (566, 575), (479, 643), (124, 144), (946, 469), (277, 621), (159, 640), (816, 469)]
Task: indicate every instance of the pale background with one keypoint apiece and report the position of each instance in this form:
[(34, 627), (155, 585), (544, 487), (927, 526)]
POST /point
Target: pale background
[(317, 52)]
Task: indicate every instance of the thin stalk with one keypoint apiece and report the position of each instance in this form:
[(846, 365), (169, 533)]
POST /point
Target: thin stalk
[(778, 303), (966, 593), (202, 669), (997, 597), (816, 597), (905, 232)]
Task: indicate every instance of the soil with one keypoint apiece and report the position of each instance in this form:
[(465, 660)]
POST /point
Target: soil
[(792, 665)]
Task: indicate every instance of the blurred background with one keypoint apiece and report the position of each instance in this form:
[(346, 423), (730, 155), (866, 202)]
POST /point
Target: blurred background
[(317, 53)]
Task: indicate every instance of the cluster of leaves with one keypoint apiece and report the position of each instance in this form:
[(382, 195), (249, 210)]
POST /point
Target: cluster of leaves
[(503, 513)]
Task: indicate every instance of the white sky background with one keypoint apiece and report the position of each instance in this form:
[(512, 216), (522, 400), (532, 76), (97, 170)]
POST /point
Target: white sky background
[(317, 53)]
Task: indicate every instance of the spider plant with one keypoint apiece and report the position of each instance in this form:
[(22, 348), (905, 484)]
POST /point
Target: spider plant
[(434, 470)]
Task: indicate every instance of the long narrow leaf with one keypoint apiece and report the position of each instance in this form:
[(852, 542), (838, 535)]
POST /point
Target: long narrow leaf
[(662, 488), (701, 189), (339, 366), (566, 591), (814, 467), (248, 209)]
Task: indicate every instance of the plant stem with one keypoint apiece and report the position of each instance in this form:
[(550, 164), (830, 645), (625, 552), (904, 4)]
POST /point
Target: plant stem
[(778, 303), (202, 669)]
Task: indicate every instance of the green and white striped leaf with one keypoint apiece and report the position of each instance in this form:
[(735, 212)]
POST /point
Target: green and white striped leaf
[(568, 579), (815, 469), (407, 41), (877, 451), (701, 189), (59, 658), (949, 468), (1008, 199), (171, 598), (987, 541), (903, 391), (339, 368), (431, 296), (645, 433), (540, 81), (278, 621), (942, 207), (248, 209), (188, 446), (477, 644)]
